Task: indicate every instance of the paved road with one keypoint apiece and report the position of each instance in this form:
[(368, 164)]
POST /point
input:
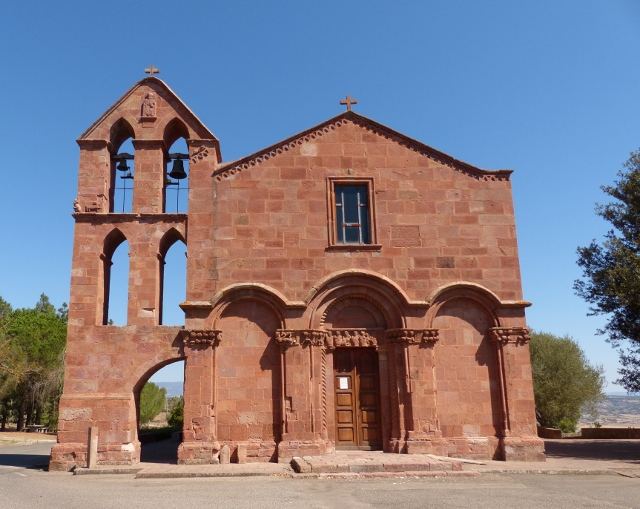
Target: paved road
[(32, 488)]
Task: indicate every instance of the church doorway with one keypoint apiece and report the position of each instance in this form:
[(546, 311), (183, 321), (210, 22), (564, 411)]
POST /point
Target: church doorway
[(357, 399)]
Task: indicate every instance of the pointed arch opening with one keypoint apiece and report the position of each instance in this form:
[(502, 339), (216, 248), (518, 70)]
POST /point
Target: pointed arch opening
[(176, 185), (121, 173), (172, 267), (115, 279)]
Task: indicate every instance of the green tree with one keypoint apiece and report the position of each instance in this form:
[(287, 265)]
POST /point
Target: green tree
[(564, 382), (152, 400), (5, 308), (176, 412), (611, 272), (32, 345)]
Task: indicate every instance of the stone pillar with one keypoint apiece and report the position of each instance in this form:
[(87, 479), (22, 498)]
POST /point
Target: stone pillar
[(199, 444), (148, 177), (203, 271), (113, 414), (303, 393), (520, 441), (415, 360), (144, 282), (95, 177)]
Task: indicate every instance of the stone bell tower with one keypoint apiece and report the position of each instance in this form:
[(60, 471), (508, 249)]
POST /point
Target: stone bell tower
[(106, 365)]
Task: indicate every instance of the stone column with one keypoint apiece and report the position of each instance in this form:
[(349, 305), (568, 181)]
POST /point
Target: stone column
[(199, 444), (148, 176), (520, 440), (415, 360), (144, 279), (303, 393), (95, 177)]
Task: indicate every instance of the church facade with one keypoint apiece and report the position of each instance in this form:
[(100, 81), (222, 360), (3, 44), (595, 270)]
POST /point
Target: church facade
[(348, 287)]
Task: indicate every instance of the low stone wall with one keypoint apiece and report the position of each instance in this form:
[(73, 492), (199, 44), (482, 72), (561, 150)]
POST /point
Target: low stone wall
[(549, 432), (611, 433)]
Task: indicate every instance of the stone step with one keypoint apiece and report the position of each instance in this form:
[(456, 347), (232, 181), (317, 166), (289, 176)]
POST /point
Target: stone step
[(324, 465)]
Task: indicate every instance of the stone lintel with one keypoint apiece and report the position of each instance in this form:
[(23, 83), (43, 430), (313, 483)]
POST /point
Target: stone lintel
[(196, 304), (334, 338), (117, 217), (93, 144)]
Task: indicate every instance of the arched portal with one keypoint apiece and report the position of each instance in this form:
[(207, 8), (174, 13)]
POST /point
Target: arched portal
[(158, 396), (362, 406)]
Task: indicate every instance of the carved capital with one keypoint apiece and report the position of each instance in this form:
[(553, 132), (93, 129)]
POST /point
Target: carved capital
[(314, 337), (412, 336), (201, 338), (291, 337), (288, 338), (518, 335), (353, 337)]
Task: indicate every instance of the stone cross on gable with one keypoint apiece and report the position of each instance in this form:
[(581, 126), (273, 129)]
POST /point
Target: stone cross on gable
[(151, 71), (348, 101)]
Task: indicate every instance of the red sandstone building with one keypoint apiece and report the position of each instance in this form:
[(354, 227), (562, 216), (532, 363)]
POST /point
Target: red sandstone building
[(348, 287)]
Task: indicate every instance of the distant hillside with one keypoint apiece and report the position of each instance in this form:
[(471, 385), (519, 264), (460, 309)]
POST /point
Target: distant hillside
[(623, 411), (173, 388)]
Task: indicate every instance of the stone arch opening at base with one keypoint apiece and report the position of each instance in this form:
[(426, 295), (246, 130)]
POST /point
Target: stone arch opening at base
[(158, 440)]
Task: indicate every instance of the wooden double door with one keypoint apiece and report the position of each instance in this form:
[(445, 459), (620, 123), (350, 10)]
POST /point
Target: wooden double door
[(357, 398)]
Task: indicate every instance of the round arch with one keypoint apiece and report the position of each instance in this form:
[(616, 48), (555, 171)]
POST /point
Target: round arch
[(260, 293), (481, 296), (373, 290)]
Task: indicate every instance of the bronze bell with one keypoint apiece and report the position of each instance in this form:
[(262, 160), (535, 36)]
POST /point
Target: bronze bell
[(177, 172), (122, 165)]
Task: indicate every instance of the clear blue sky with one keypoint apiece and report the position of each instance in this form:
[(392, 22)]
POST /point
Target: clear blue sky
[(547, 88)]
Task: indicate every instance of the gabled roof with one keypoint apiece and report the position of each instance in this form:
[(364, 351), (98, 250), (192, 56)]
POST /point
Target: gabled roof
[(233, 167), (203, 131)]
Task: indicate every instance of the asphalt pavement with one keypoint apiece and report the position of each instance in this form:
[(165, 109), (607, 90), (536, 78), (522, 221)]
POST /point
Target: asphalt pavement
[(25, 484)]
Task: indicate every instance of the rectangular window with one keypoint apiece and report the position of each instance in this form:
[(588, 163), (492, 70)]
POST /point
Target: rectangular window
[(351, 213)]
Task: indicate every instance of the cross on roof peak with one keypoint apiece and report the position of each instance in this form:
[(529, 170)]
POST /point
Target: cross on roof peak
[(348, 101), (151, 71)]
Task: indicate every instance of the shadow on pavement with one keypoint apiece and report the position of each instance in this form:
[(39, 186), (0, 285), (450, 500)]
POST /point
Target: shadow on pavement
[(165, 451), (33, 456), (34, 461), (603, 450)]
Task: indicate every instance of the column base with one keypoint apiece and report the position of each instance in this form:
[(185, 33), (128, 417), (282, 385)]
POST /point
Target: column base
[(198, 453), (523, 449), (288, 449)]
